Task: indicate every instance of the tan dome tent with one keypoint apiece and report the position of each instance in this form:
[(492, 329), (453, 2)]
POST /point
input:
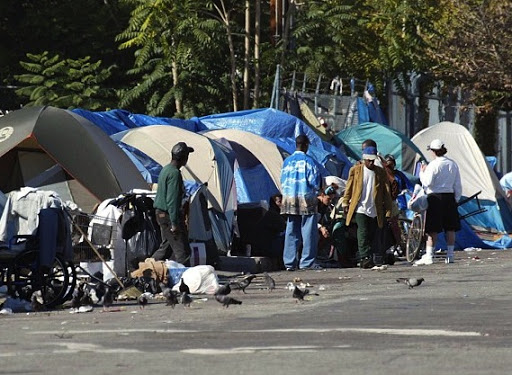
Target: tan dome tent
[(55, 149), (207, 165), (475, 173), (265, 151)]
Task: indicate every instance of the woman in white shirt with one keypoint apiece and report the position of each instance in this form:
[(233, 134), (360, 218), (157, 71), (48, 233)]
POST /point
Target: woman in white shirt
[(441, 181)]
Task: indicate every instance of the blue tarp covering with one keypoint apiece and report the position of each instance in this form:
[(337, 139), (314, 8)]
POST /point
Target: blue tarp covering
[(278, 127), (149, 168), (118, 120)]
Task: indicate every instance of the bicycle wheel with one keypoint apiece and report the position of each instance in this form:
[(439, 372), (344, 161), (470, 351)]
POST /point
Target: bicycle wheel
[(403, 224), (25, 276), (414, 239)]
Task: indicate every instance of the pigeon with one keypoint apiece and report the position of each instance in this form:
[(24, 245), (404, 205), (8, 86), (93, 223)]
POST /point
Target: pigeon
[(170, 295), (184, 287), (223, 290), (242, 284), (410, 282), (227, 300), (185, 299), (36, 301), (78, 295), (269, 282), (108, 298), (142, 301), (299, 294)]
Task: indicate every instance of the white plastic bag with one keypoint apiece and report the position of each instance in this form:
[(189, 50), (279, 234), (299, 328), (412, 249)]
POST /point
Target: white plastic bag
[(418, 201), (200, 280)]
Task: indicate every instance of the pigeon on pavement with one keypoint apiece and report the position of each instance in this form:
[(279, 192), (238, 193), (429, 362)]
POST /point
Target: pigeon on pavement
[(170, 295), (108, 297), (186, 300), (227, 300), (242, 284), (36, 301), (78, 295), (142, 301), (411, 282), (223, 290), (299, 294), (269, 282), (184, 287)]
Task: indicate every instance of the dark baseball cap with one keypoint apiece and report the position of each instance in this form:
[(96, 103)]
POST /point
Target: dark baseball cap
[(181, 150)]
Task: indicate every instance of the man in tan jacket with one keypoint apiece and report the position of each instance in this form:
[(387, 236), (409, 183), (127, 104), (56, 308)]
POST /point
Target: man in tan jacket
[(367, 200)]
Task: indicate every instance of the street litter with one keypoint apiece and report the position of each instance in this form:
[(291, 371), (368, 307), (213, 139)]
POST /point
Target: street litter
[(380, 268)]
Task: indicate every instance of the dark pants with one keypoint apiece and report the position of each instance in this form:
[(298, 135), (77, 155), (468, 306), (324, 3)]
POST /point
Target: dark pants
[(174, 246), (366, 227)]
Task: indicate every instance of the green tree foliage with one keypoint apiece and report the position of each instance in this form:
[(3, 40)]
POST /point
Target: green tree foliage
[(475, 52), (68, 28), (180, 62), (65, 83)]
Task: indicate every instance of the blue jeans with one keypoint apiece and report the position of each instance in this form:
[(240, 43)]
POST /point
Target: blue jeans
[(300, 229)]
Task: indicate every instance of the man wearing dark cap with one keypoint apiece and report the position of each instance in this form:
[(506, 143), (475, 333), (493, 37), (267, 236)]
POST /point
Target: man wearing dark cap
[(367, 200), (168, 208), (300, 183)]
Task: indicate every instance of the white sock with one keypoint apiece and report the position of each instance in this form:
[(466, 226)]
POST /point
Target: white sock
[(430, 251), (449, 252)]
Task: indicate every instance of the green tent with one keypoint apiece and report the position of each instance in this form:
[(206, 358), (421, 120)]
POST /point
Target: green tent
[(389, 141)]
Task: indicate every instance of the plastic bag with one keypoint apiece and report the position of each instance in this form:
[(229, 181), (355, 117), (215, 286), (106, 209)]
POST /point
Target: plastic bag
[(418, 201), (142, 244), (200, 280)]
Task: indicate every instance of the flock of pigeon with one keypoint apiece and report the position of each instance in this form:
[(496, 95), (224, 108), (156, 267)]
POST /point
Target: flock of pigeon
[(83, 295)]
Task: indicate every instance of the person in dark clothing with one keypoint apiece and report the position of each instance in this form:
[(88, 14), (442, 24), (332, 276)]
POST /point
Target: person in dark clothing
[(169, 209)]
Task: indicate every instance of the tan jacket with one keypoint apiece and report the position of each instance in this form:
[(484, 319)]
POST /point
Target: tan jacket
[(381, 194)]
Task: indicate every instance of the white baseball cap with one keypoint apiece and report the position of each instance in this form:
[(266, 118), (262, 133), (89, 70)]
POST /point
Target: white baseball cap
[(436, 144)]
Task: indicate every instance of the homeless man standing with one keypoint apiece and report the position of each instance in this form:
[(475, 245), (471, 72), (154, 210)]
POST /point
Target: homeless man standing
[(169, 210), (300, 182), (368, 201)]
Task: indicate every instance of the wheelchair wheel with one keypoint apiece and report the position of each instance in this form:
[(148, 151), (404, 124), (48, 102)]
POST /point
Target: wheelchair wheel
[(25, 276), (414, 239), (72, 281)]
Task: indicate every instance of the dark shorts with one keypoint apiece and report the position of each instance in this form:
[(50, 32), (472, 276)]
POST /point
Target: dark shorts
[(442, 213)]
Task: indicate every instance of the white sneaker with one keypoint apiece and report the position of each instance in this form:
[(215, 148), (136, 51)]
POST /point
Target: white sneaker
[(449, 260), (424, 261)]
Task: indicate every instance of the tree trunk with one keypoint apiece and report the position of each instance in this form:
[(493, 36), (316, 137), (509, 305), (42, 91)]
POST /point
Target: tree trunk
[(286, 32), (247, 53), (177, 100), (233, 66), (257, 30)]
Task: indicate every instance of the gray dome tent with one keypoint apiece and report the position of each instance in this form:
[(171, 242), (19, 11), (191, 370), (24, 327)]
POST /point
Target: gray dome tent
[(56, 149)]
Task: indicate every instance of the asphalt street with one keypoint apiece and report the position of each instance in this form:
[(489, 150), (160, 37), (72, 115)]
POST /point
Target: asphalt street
[(361, 322)]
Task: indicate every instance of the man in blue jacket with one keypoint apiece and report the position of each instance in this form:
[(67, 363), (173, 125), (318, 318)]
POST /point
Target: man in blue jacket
[(300, 183)]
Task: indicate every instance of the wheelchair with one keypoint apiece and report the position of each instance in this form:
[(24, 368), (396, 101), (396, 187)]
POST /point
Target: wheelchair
[(23, 272)]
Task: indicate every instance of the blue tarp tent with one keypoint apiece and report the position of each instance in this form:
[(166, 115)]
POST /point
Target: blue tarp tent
[(118, 120), (278, 127)]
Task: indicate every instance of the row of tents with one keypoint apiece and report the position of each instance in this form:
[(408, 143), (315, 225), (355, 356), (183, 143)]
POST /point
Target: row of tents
[(88, 157)]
